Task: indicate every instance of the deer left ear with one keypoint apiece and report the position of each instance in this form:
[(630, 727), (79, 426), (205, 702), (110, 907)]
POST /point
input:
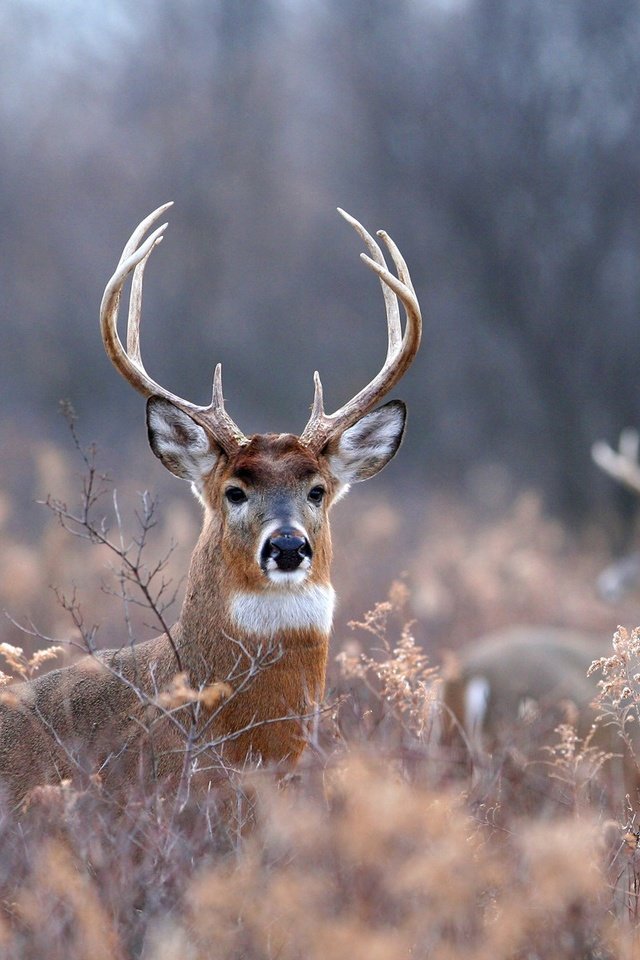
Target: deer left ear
[(364, 449)]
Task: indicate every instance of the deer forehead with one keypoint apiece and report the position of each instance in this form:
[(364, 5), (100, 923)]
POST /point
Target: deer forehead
[(274, 462)]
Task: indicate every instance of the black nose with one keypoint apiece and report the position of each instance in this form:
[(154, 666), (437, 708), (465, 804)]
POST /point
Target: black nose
[(287, 547)]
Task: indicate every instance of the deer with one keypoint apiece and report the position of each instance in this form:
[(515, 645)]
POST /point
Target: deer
[(505, 696), (258, 606), (509, 674)]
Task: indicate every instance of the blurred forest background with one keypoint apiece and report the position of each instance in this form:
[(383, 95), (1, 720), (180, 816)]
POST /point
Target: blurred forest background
[(498, 141)]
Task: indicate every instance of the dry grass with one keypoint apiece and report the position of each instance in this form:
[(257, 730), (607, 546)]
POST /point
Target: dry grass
[(363, 855), (471, 574), (378, 847)]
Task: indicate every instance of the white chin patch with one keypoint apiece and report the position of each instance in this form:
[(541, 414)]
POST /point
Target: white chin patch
[(285, 578), (269, 612)]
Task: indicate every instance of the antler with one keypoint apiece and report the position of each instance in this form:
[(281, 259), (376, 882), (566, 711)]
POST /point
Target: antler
[(213, 418), (621, 464), (400, 352)]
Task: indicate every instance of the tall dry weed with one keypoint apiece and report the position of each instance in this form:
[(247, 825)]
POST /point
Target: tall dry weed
[(356, 860), (472, 574), (372, 850)]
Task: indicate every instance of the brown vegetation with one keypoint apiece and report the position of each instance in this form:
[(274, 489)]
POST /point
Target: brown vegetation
[(383, 844)]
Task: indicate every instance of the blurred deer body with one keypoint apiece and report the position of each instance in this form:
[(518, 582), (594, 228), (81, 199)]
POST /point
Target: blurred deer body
[(523, 681), (511, 689), (252, 637), (502, 677)]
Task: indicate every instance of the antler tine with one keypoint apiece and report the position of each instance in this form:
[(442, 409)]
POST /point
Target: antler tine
[(400, 351), (394, 328), (135, 313), (398, 259), (136, 375), (621, 464), (133, 242), (213, 418)]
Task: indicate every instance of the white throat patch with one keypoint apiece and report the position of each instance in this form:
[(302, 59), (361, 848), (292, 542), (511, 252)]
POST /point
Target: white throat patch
[(267, 613)]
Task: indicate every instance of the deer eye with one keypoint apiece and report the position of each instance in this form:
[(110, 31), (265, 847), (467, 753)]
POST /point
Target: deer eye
[(235, 495), (316, 494)]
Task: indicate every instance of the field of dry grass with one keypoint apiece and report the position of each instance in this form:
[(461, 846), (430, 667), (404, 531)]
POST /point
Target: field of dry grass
[(383, 844)]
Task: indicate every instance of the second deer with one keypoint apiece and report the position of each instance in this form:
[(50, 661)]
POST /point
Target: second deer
[(507, 693)]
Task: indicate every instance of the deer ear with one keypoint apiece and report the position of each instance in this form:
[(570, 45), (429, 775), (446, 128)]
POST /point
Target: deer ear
[(179, 442), (364, 449)]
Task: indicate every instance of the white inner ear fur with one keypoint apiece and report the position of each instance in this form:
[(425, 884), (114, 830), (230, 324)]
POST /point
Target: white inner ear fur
[(181, 443), (364, 449)]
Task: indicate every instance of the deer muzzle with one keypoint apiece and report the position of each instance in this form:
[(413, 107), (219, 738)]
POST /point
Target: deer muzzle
[(285, 549)]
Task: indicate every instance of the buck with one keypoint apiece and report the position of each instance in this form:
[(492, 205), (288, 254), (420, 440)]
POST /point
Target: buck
[(258, 602)]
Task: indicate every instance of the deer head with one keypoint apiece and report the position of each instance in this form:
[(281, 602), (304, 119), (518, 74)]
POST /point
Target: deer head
[(268, 495)]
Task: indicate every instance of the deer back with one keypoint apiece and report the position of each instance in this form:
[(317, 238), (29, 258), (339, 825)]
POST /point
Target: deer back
[(512, 689)]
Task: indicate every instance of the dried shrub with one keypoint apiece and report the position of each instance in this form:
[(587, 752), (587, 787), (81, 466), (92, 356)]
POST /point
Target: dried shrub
[(357, 859), (396, 674), (372, 849), (472, 574)]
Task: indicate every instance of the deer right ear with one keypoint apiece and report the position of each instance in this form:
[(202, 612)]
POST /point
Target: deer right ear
[(180, 442)]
